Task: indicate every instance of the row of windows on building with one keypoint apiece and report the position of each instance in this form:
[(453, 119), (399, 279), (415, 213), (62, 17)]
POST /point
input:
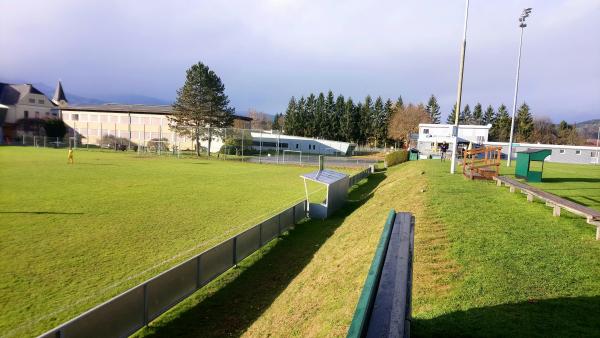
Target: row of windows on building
[(123, 119), (37, 114), (578, 152), (134, 135), (281, 145), (40, 101)]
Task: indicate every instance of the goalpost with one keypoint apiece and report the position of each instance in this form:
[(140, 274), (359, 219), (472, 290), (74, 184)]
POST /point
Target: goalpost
[(299, 161)]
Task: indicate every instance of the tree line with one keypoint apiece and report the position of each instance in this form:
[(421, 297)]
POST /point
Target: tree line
[(337, 118), (380, 122)]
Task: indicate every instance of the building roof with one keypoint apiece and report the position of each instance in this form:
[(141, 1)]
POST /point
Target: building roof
[(59, 94), (10, 94), (132, 108), (324, 176), (470, 126)]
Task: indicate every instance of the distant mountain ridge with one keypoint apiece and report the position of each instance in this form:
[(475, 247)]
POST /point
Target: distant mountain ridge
[(588, 129), (75, 99)]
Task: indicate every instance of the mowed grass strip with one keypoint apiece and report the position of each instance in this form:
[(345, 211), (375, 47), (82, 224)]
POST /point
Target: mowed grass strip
[(487, 263), (75, 235), (522, 271)]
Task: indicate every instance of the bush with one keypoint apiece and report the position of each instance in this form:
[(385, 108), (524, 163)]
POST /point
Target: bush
[(116, 143), (396, 157), (55, 128), (157, 144)]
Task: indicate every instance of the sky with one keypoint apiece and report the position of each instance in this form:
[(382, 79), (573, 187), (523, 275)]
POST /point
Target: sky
[(267, 51)]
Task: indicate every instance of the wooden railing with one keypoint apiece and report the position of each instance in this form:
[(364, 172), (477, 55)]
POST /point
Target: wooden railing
[(482, 163)]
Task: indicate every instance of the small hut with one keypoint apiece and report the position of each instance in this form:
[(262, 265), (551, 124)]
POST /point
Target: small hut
[(528, 157), (337, 191)]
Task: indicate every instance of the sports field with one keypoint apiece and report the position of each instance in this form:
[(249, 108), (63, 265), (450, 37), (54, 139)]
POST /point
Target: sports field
[(75, 235), (487, 263)]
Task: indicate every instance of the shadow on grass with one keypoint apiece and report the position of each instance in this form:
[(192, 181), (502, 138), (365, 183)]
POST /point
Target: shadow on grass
[(570, 179), (239, 302), (560, 317)]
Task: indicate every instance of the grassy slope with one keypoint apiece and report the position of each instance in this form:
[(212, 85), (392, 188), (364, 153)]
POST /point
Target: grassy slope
[(88, 231), (486, 263), (522, 271)]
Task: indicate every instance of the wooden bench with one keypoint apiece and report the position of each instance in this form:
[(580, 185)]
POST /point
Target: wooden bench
[(384, 306), (557, 203)]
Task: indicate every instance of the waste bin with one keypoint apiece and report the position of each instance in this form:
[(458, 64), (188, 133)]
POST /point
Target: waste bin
[(413, 154)]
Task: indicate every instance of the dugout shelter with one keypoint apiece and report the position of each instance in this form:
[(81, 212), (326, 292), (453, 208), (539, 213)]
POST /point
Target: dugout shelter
[(337, 191)]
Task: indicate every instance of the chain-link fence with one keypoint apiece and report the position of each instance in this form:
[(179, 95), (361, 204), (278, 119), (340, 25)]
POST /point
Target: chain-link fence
[(257, 146)]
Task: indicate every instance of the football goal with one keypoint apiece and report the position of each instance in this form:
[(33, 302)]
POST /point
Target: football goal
[(292, 156)]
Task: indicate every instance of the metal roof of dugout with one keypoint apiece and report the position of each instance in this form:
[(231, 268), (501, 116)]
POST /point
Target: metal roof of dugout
[(337, 191)]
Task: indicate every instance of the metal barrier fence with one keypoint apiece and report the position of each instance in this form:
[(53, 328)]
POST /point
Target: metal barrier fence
[(360, 175), (135, 308)]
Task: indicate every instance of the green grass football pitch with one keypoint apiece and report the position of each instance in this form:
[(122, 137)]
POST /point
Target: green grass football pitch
[(76, 235)]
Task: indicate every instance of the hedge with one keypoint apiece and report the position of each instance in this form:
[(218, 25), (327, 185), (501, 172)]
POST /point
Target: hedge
[(396, 157)]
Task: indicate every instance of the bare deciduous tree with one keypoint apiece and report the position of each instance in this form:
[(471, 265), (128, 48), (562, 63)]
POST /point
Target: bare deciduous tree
[(405, 120)]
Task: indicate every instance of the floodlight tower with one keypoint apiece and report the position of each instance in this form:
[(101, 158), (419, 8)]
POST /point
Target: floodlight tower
[(459, 91), (522, 24)]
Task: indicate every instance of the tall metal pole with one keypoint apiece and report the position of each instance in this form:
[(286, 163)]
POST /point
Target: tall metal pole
[(459, 91), (514, 110), (598, 146)]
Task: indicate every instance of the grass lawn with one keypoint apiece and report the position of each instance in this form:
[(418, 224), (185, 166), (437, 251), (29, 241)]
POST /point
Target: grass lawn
[(487, 263), (75, 235), (579, 183)]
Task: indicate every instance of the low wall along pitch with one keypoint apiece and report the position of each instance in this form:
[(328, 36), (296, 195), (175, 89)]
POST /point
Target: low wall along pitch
[(133, 309)]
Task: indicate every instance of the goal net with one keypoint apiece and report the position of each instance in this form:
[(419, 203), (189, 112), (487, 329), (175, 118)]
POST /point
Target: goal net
[(292, 156)]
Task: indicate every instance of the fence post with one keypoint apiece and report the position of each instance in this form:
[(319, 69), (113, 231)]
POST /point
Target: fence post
[(260, 235), (145, 304), (279, 224), (198, 272), (235, 251), (243, 134), (260, 149)]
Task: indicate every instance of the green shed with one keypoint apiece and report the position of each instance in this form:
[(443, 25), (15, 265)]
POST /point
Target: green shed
[(413, 154), (524, 163)]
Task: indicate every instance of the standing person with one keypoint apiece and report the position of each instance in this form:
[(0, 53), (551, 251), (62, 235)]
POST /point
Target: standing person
[(70, 156), (444, 149)]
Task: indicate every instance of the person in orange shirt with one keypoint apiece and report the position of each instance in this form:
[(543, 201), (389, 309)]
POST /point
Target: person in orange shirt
[(70, 156)]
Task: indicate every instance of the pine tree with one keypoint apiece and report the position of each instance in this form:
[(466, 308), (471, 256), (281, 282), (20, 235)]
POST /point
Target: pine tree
[(452, 117), (524, 123), (502, 125), (366, 115), (299, 122), (327, 127), (275, 125), (290, 118), (310, 118), (466, 117), (433, 109), (389, 109), (477, 114), (378, 121), (488, 116), (320, 118), (399, 103), (201, 107), (336, 118)]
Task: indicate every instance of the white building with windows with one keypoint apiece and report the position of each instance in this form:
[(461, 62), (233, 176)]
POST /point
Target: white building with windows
[(306, 145), (24, 103), (560, 153), (432, 135)]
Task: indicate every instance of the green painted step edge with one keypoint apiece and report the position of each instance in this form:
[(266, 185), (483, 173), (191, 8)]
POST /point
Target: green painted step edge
[(361, 314)]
